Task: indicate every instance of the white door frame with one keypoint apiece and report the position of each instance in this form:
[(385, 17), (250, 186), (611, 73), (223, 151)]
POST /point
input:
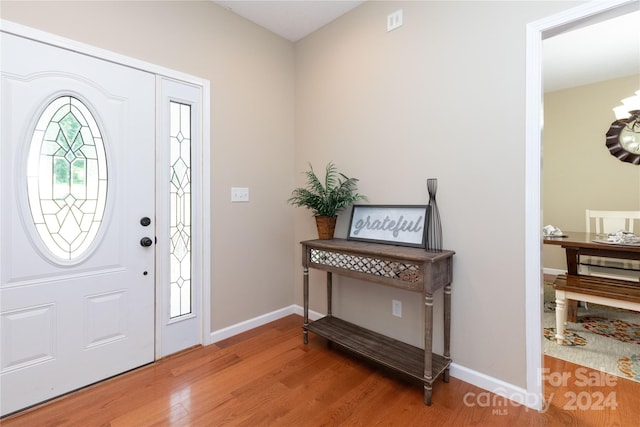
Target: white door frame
[(201, 245), (536, 32)]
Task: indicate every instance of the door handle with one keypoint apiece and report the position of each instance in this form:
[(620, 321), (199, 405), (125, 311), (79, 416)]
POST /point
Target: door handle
[(146, 241)]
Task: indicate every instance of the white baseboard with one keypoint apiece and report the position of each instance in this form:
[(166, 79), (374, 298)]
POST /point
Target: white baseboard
[(247, 325), (553, 271), (509, 394), (515, 395)]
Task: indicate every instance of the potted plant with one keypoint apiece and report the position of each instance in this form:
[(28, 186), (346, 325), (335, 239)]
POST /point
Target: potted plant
[(326, 197)]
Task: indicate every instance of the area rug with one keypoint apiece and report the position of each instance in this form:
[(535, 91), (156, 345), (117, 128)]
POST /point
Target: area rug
[(603, 338)]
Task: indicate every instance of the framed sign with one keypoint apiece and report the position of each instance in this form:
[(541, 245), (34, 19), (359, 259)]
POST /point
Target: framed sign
[(403, 225)]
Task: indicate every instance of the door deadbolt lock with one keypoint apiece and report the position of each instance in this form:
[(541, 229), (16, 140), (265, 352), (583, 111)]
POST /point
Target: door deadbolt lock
[(146, 241), (145, 221)]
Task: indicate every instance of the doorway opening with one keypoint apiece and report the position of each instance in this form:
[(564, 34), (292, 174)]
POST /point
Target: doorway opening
[(582, 15)]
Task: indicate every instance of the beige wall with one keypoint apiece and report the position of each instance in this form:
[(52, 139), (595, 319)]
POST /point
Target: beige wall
[(252, 127), (443, 97), (579, 173)]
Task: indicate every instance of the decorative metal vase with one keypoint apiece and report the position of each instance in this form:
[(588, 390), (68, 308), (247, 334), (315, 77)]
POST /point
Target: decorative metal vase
[(434, 227)]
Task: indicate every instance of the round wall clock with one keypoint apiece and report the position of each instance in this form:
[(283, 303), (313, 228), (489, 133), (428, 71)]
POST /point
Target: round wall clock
[(623, 138)]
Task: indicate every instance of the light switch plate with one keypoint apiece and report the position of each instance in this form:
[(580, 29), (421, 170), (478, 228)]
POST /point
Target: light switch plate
[(239, 194), (394, 20)]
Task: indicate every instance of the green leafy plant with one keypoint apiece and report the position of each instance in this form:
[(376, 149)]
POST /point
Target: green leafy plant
[(329, 196)]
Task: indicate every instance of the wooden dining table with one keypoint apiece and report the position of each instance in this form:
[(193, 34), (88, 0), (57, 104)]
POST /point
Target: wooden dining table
[(577, 243)]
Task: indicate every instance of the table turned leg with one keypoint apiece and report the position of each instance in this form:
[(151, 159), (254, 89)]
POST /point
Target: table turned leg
[(561, 316), (428, 345), (329, 293), (447, 330), (305, 291), (573, 264), (428, 390)]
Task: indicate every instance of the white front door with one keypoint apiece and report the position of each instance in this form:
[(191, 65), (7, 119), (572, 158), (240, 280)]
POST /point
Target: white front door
[(77, 174)]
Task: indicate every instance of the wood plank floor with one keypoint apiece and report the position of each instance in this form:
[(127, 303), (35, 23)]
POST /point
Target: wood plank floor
[(267, 377)]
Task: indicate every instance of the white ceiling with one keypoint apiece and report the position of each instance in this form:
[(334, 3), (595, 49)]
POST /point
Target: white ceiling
[(601, 51), (598, 52), (290, 19)]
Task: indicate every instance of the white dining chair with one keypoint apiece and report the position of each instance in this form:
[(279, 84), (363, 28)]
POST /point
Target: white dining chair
[(604, 222)]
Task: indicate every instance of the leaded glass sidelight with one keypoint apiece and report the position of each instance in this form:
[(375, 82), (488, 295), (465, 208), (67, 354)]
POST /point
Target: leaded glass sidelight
[(180, 206), (67, 177)]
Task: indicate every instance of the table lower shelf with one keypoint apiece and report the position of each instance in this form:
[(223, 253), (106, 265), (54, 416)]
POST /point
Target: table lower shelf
[(379, 348)]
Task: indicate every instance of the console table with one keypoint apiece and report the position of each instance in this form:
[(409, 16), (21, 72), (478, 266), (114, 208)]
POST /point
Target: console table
[(412, 269)]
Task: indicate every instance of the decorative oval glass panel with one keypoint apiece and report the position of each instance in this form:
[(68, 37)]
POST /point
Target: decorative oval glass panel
[(67, 177)]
